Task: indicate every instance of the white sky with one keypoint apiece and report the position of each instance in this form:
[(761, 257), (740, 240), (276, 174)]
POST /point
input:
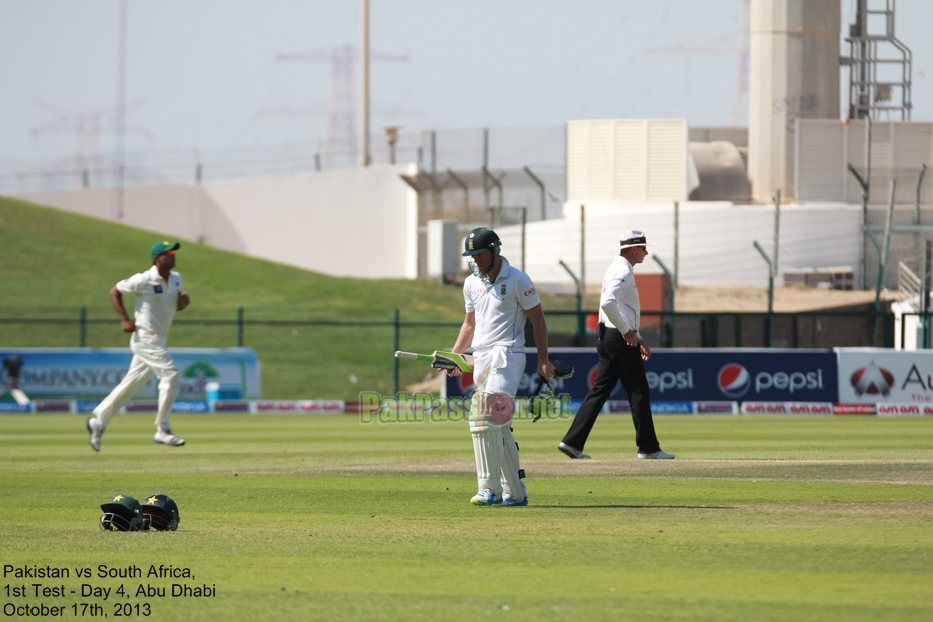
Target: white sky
[(203, 74)]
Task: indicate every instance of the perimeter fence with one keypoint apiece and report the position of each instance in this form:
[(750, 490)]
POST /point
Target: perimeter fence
[(337, 357), (435, 151)]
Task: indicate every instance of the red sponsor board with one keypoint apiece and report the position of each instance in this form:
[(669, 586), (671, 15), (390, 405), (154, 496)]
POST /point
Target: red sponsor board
[(716, 408), (618, 406), (53, 406), (787, 408), (904, 410), (300, 406), (231, 406), (141, 407), (854, 409)]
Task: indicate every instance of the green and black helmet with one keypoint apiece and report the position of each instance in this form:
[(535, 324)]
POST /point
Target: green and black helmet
[(160, 512), (122, 514), (479, 240)]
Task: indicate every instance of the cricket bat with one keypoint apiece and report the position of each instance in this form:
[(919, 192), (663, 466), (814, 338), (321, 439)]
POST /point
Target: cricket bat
[(441, 360)]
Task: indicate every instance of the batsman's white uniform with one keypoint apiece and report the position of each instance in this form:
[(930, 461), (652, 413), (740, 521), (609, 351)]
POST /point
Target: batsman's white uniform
[(498, 364), (154, 308)]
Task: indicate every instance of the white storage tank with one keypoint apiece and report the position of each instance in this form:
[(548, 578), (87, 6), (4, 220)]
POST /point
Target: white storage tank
[(794, 75)]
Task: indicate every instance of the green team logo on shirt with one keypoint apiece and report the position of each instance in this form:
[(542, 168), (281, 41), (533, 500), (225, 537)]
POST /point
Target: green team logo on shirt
[(502, 290)]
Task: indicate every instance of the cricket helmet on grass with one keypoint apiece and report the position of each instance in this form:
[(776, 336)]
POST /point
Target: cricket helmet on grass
[(160, 512), (123, 513)]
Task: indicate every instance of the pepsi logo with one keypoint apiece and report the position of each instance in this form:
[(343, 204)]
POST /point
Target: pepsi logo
[(734, 380), (466, 383)]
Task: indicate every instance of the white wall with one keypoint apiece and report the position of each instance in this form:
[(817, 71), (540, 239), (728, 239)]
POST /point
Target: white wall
[(359, 222), (716, 241)]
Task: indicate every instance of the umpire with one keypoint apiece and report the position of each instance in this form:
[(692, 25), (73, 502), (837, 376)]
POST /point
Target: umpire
[(622, 356)]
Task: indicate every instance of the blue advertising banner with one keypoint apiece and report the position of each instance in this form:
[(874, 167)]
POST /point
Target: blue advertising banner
[(90, 374), (699, 375)]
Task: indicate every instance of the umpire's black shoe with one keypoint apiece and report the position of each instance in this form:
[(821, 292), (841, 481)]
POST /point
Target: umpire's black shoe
[(572, 452)]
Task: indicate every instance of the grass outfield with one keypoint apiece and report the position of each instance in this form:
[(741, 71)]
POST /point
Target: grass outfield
[(314, 518)]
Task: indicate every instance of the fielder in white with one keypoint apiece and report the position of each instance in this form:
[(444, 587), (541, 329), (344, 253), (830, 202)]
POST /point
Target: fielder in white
[(498, 298), (158, 293)]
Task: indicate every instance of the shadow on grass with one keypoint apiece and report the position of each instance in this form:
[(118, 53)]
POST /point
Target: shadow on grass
[(638, 507)]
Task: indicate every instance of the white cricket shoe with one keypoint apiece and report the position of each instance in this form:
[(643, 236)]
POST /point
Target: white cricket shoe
[(572, 452), (508, 501), (95, 431), (657, 455), (486, 497), (165, 436)]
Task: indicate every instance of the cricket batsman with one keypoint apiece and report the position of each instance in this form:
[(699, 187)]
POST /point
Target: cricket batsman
[(498, 298)]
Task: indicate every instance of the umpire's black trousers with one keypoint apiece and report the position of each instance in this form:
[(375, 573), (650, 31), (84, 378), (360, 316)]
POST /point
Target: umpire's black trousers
[(618, 361)]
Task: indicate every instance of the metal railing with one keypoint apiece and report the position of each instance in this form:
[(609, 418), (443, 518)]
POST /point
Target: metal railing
[(337, 357)]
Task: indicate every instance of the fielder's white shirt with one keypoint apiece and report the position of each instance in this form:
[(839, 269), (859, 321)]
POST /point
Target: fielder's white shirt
[(500, 306), (619, 306), (156, 301)]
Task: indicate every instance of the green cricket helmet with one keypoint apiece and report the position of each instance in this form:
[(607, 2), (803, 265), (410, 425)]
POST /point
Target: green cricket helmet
[(480, 240), (160, 512), (123, 513)]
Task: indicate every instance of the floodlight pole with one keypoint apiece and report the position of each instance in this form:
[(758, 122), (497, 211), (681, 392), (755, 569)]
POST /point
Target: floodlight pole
[(119, 132), (364, 157)]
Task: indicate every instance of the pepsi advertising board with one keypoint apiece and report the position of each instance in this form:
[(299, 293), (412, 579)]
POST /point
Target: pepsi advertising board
[(699, 375)]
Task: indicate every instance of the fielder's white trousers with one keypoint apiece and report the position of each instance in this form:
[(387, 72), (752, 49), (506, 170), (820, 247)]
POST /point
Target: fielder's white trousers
[(494, 448), (149, 357)]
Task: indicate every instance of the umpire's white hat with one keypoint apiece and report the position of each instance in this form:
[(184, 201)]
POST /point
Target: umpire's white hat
[(633, 237)]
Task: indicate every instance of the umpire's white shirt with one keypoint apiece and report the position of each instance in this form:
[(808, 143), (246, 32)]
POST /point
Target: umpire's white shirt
[(499, 307), (619, 306), (155, 303)]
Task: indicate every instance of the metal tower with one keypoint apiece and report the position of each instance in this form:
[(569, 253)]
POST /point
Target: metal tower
[(342, 107), (879, 64)]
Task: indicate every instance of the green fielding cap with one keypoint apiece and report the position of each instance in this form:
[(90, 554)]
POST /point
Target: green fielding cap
[(160, 247)]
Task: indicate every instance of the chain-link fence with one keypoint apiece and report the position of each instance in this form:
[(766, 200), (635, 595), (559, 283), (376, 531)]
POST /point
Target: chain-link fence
[(911, 227), (539, 148)]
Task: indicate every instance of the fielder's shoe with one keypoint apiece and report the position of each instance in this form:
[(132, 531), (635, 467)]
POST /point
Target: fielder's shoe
[(573, 452), (657, 455), (508, 501), (165, 436), (486, 497), (94, 432)]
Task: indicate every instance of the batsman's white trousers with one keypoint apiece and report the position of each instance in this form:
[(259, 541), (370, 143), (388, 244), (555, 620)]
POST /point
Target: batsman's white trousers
[(149, 357), (497, 370)]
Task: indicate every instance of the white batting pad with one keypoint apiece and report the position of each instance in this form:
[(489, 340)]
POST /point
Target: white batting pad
[(511, 482), (487, 450)]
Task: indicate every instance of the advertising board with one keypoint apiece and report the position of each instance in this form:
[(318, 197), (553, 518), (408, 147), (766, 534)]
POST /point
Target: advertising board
[(90, 373), (699, 375), (879, 375)]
